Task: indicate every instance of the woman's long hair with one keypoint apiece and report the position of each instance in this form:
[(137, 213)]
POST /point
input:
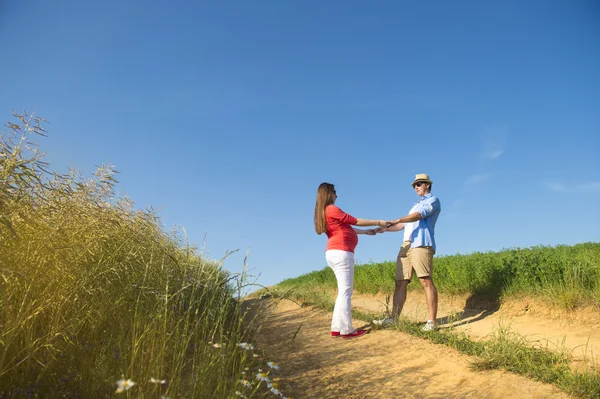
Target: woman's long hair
[(325, 196)]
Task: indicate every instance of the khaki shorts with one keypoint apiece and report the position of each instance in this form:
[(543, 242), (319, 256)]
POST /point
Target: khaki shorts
[(419, 259)]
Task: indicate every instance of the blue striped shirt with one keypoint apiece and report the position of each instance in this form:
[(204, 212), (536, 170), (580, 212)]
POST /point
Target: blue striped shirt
[(422, 232)]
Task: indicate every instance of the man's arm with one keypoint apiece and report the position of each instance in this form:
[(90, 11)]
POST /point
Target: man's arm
[(413, 217), (391, 228)]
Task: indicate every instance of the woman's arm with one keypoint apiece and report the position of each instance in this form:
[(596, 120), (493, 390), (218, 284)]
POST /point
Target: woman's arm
[(370, 232), (369, 222)]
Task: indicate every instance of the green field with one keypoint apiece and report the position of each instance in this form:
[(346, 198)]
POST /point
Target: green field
[(566, 276)]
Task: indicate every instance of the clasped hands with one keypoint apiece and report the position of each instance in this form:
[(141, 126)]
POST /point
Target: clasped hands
[(383, 226)]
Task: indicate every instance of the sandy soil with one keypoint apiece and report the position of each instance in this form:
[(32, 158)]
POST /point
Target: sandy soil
[(383, 364), (577, 332)]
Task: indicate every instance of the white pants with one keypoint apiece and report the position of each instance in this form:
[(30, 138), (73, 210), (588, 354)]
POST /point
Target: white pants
[(342, 264)]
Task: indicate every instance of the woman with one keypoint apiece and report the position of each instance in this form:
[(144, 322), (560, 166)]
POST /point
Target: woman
[(342, 239)]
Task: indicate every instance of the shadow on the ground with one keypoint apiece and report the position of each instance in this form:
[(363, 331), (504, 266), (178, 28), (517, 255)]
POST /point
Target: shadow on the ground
[(477, 307)]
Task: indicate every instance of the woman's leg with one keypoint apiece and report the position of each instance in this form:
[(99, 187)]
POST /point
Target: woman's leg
[(342, 264)]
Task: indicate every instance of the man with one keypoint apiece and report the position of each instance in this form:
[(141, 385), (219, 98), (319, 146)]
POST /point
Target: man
[(417, 250)]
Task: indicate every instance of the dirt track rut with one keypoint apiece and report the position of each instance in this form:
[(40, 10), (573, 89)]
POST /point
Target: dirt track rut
[(383, 364)]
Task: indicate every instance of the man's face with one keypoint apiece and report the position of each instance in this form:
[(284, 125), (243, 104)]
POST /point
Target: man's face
[(421, 188)]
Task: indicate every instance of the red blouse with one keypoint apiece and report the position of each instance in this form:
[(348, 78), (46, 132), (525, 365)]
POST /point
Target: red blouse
[(339, 230)]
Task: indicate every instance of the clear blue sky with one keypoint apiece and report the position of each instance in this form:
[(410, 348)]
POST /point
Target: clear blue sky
[(229, 115)]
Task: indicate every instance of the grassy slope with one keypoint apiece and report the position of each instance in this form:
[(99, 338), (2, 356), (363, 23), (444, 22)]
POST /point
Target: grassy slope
[(568, 276)]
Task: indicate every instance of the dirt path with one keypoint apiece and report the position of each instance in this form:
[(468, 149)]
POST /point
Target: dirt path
[(576, 332), (383, 364)]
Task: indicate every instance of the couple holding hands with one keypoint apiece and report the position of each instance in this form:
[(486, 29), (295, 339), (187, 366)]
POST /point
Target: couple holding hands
[(416, 252)]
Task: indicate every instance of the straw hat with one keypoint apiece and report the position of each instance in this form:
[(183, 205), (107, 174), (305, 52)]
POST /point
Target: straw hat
[(421, 177)]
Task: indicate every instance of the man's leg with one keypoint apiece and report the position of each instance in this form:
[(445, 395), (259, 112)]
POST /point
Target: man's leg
[(431, 296), (403, 276), (404, 270), (422, 260), (399, 297)]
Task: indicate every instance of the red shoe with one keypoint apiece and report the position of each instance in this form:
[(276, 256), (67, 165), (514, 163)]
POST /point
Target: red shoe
[(335, 334), (355, 334)]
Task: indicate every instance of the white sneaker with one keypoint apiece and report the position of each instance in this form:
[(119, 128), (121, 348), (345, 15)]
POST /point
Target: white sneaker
[(429, 326), (384, 322)]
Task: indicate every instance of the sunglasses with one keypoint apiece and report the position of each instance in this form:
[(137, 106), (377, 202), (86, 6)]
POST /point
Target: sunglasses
[(419, 184)]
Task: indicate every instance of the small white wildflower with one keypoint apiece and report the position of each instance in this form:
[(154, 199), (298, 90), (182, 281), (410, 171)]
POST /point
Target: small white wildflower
[(241, 395), (254, 355), (243, 372), (273, 365), (263, 377), (155, 381), (276, 391), (245, 383), (124, 385), (246, 345), (216, 346)]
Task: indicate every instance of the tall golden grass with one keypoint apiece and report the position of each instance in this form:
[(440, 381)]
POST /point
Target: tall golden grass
[(93, 291)]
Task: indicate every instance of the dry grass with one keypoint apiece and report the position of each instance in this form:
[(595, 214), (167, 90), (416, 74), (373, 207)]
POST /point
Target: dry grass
[(94, 291)]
